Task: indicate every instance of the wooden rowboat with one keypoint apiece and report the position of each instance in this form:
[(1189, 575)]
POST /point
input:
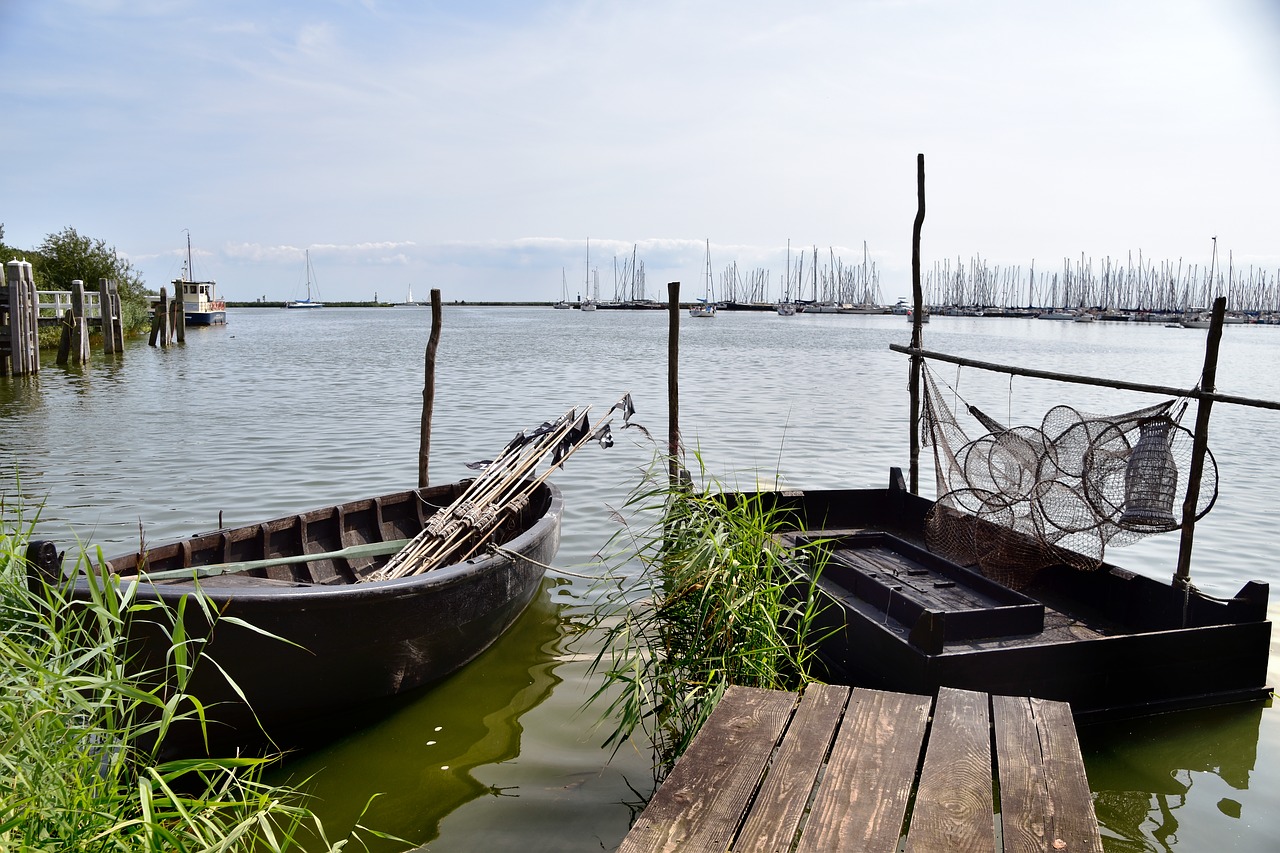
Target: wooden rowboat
[(339, 645), (1110, 642)]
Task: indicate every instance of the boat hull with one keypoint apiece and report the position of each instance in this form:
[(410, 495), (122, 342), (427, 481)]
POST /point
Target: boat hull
[(206, 318), (338, 647), (1112, 643)]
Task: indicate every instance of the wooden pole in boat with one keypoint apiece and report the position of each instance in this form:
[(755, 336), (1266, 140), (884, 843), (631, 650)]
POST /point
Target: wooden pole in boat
[(1182, 576), (429, 390), (673, 384), (917, 320)]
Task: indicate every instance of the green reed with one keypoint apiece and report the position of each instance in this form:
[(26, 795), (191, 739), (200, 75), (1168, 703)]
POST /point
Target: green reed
[(716, 601), (81, 731)]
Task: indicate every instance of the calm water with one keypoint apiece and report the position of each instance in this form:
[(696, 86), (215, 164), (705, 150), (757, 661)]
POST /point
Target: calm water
[(281, 411)]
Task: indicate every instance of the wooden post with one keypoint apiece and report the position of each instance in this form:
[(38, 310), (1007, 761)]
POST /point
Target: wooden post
[(180, 312), (64, 339), (673, 383), (917, 320), (104, 309), (175, 315), (429, 390), (79, 324), (24, 319), (160, 320), (1182, 576), (117, 318)]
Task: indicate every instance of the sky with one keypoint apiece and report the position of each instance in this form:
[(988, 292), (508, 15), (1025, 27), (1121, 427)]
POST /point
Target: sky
[(477, 146)]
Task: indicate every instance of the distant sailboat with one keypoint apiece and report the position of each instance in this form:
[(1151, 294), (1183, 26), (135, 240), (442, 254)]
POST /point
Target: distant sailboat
[(706, 308), (589, 304), (305, 303), (408, 301), (564, 292)]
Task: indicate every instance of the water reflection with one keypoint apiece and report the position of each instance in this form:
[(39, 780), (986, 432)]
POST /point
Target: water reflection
[(1150, 777), (420, 758)]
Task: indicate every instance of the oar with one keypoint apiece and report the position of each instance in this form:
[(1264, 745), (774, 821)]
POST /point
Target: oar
[(371, 549)]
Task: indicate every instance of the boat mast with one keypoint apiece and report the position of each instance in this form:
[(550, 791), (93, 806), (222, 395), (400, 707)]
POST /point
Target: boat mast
[(191, 274)]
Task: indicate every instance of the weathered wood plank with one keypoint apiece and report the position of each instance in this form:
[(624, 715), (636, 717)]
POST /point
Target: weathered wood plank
[(1070, 803), (772, 823), (702, 801), (862, 799), (954, 808), (1024, 798)]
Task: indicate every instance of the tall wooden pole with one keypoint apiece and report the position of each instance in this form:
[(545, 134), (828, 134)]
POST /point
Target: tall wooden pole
[(673, 384), (917, 319), (429, 390), (1182, 576)]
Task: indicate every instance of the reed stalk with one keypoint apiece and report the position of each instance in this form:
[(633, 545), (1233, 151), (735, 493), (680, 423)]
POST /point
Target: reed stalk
[(709, 599), (81, 731)]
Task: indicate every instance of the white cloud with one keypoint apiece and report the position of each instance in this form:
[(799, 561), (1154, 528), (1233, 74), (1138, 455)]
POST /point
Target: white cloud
[(411, 136)]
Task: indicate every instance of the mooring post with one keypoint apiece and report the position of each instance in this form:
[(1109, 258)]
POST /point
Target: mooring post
[(117, 317), (673, 384), (107, 324), (917, 320), (180, 309), (24, 319), (160, 320), (80, 324), (1204, 405), (429, 390)]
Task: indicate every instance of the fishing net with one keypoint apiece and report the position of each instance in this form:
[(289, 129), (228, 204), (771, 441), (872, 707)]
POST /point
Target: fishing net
[(1016, 500)]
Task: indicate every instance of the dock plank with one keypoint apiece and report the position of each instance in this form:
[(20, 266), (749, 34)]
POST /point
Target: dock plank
[(840, 771), (1070, 803), (954, 807), (699, 806), (775, 817), (862, 800), (1024, 796)]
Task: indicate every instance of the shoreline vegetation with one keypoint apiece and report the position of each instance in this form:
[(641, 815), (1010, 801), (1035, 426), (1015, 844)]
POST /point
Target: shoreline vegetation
[(83, 730)]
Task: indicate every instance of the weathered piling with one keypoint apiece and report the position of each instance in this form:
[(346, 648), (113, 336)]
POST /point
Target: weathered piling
[(160, 321), (673, 383), (112, 317), (74, 343), (19, 320), (429, 390)]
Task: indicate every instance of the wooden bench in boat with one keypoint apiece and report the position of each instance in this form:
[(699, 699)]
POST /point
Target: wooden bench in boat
[(854, 769)]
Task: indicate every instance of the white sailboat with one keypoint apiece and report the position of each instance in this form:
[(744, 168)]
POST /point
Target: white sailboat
[(564, 292), (786, 307), (706, 308), (590, 303), (408, 301), (308, 302)]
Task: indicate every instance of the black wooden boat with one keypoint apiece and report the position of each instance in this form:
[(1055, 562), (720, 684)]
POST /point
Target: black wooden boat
[(339, 645), (1110, 642)]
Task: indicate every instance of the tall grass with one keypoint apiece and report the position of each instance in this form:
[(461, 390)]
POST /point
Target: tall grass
[(80, 732), (716, 602)]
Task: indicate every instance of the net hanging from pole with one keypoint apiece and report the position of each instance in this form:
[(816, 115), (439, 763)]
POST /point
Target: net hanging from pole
[(1016, 500)]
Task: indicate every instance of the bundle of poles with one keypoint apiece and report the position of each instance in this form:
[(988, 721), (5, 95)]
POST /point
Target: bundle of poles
[(500, 492)]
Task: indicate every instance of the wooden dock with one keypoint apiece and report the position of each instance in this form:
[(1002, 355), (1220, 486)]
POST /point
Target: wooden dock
[(855, 769)]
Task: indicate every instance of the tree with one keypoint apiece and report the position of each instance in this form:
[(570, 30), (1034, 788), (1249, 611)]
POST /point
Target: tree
[(68, 255)]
